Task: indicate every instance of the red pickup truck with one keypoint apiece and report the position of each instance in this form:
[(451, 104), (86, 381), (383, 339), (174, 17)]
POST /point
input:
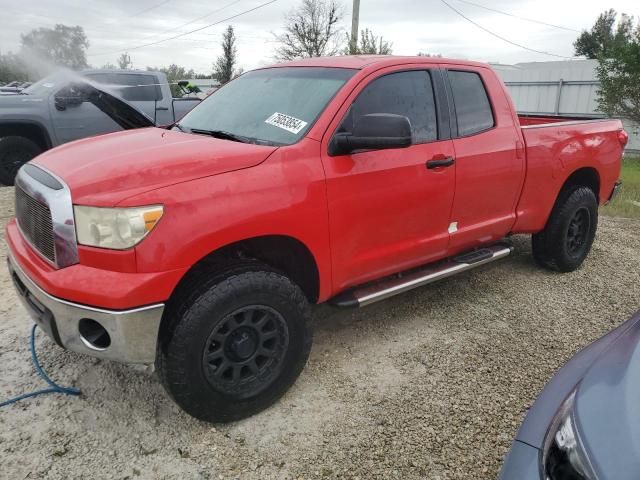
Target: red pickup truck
[(201, 247)]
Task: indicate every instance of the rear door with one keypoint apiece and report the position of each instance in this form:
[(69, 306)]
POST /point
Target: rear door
[(387, 210), (489, 165)]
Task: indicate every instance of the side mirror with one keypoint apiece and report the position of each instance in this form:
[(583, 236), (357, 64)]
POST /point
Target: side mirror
[(375, 131), (68, 97)]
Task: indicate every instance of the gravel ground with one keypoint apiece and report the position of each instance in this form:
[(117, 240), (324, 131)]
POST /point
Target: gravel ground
[(431, 384)]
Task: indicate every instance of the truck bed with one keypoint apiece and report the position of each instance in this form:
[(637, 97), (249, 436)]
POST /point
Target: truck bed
[(558, 147)]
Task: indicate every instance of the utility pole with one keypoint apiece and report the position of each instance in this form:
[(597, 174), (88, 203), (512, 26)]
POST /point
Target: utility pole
[(355, 19)]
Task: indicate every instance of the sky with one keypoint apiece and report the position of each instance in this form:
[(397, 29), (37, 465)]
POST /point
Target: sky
[(412, 26)]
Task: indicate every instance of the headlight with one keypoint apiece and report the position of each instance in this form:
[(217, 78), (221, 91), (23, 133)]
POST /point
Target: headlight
[(116, 228), (563, 456)]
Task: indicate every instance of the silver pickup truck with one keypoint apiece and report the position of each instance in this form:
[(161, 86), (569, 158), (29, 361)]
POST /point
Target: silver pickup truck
[(55, 110)]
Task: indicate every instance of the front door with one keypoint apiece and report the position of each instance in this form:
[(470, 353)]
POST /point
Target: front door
[(73, 118), (387, 210)]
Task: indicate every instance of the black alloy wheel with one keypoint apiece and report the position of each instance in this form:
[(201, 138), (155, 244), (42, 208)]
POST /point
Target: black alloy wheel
[(578, 232), (567, 238), (245, 350)]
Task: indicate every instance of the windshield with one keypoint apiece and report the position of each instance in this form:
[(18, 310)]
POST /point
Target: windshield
[(52, 82), (273, 106), (44, 86)]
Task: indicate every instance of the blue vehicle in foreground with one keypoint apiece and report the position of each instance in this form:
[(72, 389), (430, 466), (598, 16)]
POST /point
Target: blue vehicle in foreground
[(585, 425)]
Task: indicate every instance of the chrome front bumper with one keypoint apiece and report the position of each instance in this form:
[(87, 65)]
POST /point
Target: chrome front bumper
[(133, 333)]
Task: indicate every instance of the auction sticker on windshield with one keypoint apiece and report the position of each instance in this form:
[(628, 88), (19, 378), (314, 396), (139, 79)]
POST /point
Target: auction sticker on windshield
[(286, 122)]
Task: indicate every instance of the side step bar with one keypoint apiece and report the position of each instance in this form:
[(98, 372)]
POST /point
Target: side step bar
[(402, 282)]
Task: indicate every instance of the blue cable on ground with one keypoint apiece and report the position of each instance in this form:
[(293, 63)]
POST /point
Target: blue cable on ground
[(54, 387)]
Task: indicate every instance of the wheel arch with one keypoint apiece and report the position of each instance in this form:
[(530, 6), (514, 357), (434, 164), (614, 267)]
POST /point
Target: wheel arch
[(584, 177), (283, 253), (34, 131)]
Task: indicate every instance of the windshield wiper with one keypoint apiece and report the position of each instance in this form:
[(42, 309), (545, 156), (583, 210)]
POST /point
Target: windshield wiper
[(222, 135)]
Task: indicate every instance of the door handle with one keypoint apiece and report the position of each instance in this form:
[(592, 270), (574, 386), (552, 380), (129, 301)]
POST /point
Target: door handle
[(440, 162)]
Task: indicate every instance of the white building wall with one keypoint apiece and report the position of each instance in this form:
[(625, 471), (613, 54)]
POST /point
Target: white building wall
[(558, 88)]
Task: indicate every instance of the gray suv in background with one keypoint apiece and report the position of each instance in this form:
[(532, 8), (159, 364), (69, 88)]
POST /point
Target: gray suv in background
[(52, 111), (585, 425)]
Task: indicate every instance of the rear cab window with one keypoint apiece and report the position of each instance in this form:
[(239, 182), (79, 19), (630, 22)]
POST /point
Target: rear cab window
[(471, 101), (133, 87)]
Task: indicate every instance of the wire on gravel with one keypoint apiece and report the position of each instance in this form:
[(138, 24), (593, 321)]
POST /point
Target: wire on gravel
[(54, 387)]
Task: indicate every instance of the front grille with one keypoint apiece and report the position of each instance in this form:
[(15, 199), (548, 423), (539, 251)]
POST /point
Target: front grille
[(34, 219)]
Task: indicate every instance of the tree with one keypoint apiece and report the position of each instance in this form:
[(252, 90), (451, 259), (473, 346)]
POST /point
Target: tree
[(174, 73), (310, 30), (616, 46), (61, 45), (619, 75), (604, 35), (124, 62), (225, 67), (12, 68), (369, 45)]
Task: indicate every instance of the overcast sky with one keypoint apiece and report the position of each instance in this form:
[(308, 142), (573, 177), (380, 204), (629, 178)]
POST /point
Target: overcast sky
[(113, 26)]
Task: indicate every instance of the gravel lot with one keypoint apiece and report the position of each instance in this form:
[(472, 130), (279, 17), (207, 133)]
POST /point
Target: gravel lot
[(431, 384)]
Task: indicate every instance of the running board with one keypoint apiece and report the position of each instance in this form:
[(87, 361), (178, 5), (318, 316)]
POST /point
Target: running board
[(402, 282)]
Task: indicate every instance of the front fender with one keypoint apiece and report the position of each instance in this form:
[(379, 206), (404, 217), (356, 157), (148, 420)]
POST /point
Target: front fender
[(285, 196)]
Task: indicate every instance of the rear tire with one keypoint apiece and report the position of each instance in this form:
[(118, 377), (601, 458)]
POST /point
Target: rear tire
[(570, 231), (14, 152), (235, 345)]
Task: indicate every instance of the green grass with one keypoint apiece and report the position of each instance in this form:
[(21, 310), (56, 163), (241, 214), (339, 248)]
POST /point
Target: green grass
[(623, 205)]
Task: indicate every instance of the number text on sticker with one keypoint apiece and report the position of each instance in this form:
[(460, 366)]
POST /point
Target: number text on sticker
[(286, 122)]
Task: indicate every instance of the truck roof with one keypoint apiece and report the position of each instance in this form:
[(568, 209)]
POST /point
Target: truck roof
[(362, 61), (118, 70)]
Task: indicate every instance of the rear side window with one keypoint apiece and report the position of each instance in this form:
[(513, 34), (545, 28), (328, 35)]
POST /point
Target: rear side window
[(403, 93), (140, 88), (473, 108)]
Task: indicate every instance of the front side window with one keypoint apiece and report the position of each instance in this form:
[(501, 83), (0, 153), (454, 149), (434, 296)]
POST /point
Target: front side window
[(404, 93), (473, 108), (275, 106)]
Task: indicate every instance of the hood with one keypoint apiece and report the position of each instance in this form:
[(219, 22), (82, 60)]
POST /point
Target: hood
[(607, 408), (20, 100), (103, 171), (121, 112)]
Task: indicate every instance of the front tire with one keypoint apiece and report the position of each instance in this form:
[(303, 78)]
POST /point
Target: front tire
[(14, 152), (236, 346), (570, 231)]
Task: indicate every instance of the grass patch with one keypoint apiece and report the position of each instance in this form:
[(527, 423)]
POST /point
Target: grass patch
[(623, 205)]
